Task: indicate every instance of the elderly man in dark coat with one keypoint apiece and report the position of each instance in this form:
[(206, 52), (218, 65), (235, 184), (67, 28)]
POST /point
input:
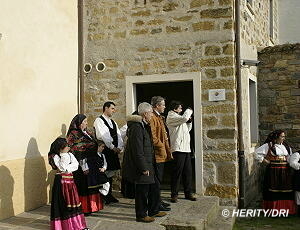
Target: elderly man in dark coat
[(139, 165)]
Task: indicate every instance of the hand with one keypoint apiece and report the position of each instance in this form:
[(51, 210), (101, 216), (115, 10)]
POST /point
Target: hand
[(117, 150), (147, 173), (102, 169), (86, 172)]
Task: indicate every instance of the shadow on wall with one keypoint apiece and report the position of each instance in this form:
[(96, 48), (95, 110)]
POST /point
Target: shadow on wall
[(6, 193), (35, 186), (63, 131)]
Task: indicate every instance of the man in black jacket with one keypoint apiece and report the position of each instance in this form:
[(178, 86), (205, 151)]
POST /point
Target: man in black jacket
[(139, 165)]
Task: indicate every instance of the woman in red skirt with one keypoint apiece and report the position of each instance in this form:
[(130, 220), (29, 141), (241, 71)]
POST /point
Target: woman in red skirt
[(83, 145), (66, 211), (278, 182)]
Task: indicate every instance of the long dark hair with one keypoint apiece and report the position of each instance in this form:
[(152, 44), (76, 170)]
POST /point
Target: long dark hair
[(273, 136), (55, 148)]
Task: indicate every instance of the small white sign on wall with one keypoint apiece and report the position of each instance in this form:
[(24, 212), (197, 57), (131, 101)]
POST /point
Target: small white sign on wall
[(216, 95)]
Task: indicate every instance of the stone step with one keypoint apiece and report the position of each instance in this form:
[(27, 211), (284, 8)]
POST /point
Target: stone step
[(191, 214), (222, 221)]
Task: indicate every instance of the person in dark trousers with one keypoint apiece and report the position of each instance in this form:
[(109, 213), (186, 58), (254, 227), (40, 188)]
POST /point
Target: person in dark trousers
[(107, 131), (139, 165), (160, 140), (179, 130)]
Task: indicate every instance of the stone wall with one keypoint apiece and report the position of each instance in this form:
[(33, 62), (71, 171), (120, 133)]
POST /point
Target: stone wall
[(279, 91), (255, 23), (137, 37)]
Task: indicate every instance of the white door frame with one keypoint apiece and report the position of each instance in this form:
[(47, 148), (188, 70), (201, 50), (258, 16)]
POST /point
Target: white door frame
[(195, 77)]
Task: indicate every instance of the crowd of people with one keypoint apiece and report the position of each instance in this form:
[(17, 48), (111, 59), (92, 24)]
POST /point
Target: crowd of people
[(86, 163)]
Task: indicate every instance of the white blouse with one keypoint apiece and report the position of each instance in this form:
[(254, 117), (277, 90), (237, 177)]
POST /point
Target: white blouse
[(262, 151), (66, 162), (294, 161), (102, 132)]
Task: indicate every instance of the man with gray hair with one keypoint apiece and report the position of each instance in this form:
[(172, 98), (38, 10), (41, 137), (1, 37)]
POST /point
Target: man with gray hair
[(139, 165), (160, 138)]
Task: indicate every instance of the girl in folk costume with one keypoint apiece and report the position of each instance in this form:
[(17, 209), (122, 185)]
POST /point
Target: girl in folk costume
[(84, 145), (65, 204), (277, 188), (295, 164)]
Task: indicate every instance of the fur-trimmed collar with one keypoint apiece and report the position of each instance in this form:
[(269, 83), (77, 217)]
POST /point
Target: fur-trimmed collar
[(134, 118)]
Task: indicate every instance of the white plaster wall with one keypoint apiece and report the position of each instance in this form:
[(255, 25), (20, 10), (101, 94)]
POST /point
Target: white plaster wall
[(38, 90), (289, 17)]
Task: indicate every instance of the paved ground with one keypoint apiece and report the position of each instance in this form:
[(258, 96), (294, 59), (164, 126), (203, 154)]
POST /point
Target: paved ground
[(122, 216)]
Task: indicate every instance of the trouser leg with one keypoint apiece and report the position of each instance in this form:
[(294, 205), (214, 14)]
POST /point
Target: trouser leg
[(141, 200), (177, 169), (187, 174), (154, 199)]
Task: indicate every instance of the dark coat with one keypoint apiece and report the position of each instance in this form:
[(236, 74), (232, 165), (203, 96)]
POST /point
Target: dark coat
[(139, 152)]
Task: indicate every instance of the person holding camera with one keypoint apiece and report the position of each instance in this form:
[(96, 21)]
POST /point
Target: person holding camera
[(179, 130)]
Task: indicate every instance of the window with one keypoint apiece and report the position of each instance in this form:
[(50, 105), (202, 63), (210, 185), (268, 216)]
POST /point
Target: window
[(253, 111), (271, 19)]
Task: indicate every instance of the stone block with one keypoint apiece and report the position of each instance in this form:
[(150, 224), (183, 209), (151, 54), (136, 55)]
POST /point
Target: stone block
[(183, 18), (139, 32), (170, 6), (111, 63), (228, 49), (218, 84), (228, 25), (219, 157), (173, 29), (155, 22), (294, 62), (212, 50), (120, 34), (225, 2), (296, 76), (156, 31), (113, 10), (226, 72), (173, 63), (208, 25), (139, 23), (280, 63), (221, 191), (217, 13), (222, 108), (295, 92), (227, 146), (199, 3), (144, 13), (221, 133), (211, 73), (226, 173), (228, 120), (209, 174), (209, 121), (222, 61), (143, 49)]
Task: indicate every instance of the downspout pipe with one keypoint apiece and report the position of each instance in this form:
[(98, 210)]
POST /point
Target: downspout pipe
[(80, 80), (240, 150)]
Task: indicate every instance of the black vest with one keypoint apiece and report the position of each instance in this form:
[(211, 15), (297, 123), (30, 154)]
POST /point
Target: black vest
[(112, 158)]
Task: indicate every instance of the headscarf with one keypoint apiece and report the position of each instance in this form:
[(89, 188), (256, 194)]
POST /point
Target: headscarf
[(76, 122), (55, 148)]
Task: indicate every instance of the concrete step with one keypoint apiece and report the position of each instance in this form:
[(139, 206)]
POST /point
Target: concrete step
[(223, 221), (191, 214)]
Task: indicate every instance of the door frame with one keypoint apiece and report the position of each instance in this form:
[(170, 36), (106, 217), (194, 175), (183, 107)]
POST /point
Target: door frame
[(195, 77)]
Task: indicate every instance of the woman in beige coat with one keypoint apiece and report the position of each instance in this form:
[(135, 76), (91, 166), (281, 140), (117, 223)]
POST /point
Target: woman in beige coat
[(179, 130)]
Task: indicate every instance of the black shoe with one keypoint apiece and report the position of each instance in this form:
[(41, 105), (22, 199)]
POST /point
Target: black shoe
[(190, 197), (165, 204), (163, 208)]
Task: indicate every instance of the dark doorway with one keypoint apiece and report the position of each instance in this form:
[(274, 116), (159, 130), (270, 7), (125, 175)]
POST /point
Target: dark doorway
[(180, 91)]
